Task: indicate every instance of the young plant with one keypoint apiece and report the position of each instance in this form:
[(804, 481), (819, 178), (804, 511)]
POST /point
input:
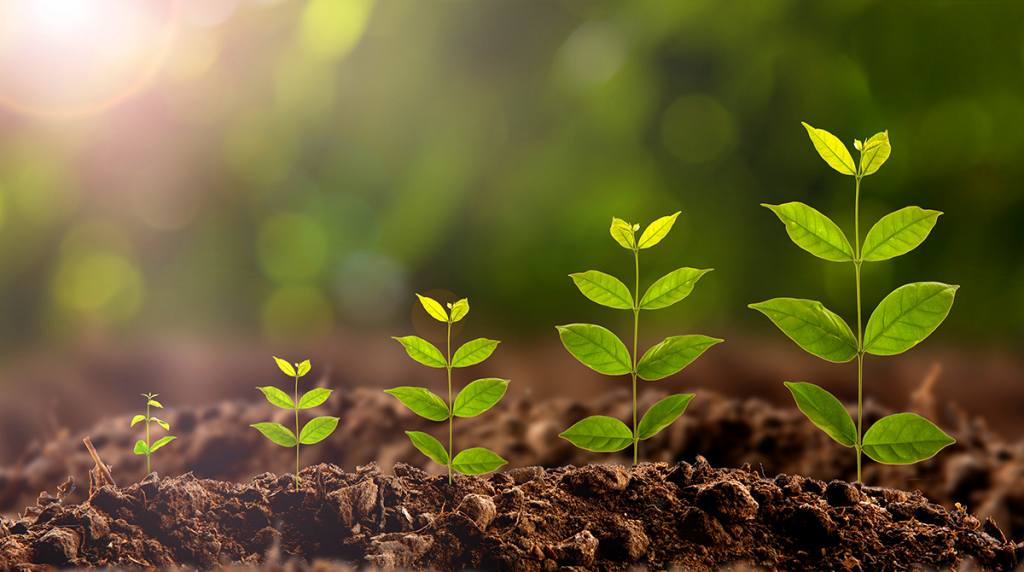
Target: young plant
[(144, 447), (318, 428), (904, 318), (477, 397), (602, 351)]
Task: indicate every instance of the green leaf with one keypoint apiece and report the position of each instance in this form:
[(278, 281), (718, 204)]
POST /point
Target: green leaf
[(599, 433), (434, 308), (812, 326), (136, 419), (429, 446), (161, 423), (672, 355), (662, 414), (813, 231), (908, 315), (904, 438), (460, 309), (304, 368), (671, 288), (474, 352), (278, 397), (423, 351), (597, 348), (141, 448), (314, 397), (422, 402), (317, 430), (476, 461), (898, 233), (604, 289), (277, 433), (623, 233), (285, 366), (479, 396), (155, 403), (832, 150), (163, 441), (876, 151), (825, 411), (656, 231)]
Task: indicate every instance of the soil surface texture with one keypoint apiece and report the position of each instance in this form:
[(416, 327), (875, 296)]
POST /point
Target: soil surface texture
[(654, 516)]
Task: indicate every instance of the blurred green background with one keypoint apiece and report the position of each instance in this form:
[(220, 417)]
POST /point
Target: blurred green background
[(284, 170)]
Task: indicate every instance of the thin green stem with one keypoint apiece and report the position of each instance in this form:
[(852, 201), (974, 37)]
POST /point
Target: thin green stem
[(450, 415), (147, 434), (296, 432), (636, 327), (860, 332)]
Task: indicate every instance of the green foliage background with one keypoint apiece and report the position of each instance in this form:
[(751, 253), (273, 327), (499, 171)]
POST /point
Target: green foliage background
[(483, 148)]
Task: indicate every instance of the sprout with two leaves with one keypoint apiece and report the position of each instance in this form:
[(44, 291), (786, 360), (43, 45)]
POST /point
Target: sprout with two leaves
[(144, 447), (318, 428), (602, 351), (477, 397), (903, 319)]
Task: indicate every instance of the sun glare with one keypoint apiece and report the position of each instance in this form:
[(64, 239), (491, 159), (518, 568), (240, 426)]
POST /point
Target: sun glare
[(73, 58)]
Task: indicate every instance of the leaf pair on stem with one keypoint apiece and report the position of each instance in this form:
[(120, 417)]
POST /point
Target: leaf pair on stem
[(477, 397), (316, 430), (144, 447), (901, 320), (601, 350)]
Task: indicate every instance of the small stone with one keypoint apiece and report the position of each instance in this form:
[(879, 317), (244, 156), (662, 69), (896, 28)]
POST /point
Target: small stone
[(841, 493), (479, 509), (729, 500)]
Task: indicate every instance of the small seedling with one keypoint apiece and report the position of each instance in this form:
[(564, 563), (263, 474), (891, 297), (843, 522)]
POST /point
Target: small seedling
[(903, 319), (477, 397), (143, 447), (600, 350), (318, 428)]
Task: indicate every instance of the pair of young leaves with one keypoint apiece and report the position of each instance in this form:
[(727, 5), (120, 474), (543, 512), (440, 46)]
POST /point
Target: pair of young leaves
[(901, 320), (602, 351), (474, 399), (313, 432)]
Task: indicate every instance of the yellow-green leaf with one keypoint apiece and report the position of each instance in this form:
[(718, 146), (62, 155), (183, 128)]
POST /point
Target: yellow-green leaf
[(876, 151), (832, 150), (656, 231), (813, 231), (476, 461), (898, 233), (825, 411), (812, 326), (904, 439), (907, 316), (285, 366), (604, 289), (460, 309), (623, 233), (597, 348), (423, 351), (434, 308), (277, 433)]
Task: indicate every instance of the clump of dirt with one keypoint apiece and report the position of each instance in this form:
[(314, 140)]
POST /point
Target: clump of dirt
[(655, 516)]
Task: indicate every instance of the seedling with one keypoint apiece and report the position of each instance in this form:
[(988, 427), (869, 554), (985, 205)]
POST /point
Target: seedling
[(601, 350), (144, 447), (903, 319), (477, 397), (318, 428)]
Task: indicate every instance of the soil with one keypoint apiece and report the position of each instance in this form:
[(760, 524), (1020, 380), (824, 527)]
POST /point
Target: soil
[(677, 512)]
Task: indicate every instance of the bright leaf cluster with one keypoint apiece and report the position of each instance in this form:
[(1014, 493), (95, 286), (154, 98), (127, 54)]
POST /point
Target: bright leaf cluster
[(144, 447), (477, 397), (903, 319), (316, 430), (602, 351)]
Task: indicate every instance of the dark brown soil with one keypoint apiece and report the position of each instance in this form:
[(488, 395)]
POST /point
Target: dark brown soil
[(677, 512), (600, 517)]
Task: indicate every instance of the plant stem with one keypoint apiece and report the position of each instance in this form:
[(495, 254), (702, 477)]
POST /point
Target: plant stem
[(860, 335), (296, 433), (636, 327), (147, 434), (451, 451)]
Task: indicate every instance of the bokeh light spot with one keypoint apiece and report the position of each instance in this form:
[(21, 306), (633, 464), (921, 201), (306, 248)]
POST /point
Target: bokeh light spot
[(339, 232), (592, 55), (280, 252), (375, 293), (297, 313), (330, 29), (98, 282), (697, 129), (42, 190)]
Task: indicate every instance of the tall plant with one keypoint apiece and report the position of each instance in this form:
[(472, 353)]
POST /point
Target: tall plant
[(903, 319)]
